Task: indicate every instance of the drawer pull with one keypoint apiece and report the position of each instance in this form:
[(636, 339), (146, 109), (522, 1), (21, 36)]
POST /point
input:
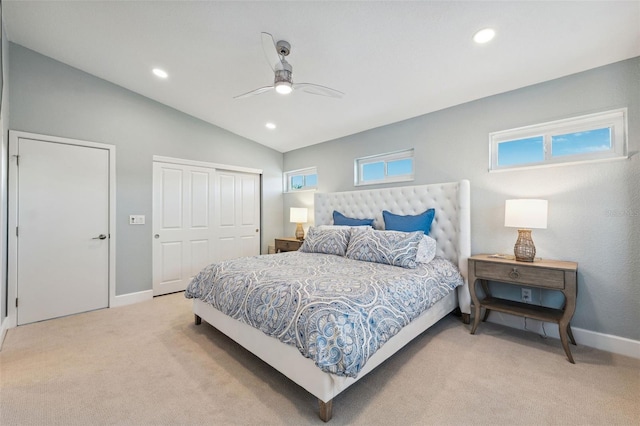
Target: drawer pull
[(514, 274)]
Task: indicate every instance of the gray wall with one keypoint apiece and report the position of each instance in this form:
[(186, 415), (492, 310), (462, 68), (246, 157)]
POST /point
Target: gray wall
[(594, 208), (51, 98)]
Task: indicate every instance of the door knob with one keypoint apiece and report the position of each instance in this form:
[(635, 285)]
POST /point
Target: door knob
[(100, 237), (156, 236)]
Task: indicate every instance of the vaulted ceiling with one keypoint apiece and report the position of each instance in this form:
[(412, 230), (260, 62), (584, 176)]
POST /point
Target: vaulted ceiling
[(393, 59)]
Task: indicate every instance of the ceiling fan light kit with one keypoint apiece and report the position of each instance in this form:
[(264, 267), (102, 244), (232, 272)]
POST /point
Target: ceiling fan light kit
[(283, 82), (283, 87)]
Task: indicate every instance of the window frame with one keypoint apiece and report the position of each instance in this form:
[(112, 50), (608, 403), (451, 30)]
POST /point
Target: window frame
[(385, 158), (287, 177), (614, 119)]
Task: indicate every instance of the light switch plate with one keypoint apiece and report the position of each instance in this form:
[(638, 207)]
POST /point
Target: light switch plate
[(136, 219)]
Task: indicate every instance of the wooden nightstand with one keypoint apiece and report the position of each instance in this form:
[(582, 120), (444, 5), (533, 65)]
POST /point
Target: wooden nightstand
[(287, 244), (547, 274)]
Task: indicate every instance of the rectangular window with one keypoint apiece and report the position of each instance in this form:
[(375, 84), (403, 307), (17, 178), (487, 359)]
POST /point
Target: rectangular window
[(384, 168), (301, 180), (586, 138)]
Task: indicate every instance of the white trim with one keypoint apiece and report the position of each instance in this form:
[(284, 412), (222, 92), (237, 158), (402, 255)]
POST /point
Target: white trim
[(131, 298), (183, 162), (12, 265), (548, 165), (593, 339)]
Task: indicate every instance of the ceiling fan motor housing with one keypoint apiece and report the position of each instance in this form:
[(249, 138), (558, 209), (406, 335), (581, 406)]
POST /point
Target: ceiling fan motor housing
[(285, 73)]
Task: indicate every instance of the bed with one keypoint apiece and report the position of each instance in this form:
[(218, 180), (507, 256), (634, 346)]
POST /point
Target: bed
[(450, 229)]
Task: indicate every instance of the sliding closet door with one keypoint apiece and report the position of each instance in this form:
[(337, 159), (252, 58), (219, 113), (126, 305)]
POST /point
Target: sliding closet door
[(183, 235), (237, 214), (201, 215)]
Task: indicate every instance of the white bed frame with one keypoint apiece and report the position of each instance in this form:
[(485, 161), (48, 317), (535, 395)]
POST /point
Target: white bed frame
[(452, 230)]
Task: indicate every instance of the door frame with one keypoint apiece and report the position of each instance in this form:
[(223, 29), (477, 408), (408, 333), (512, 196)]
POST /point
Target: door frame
[(206, 164), (12, 252)]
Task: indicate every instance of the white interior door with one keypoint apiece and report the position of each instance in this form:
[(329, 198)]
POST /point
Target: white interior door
[(183, 235), (237, 214), (62, 229)]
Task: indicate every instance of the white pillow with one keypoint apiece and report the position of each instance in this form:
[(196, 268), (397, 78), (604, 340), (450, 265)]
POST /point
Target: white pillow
[(426, 250)]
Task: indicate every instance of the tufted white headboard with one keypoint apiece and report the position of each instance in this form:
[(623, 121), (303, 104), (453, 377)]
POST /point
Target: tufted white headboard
[(451, 225)]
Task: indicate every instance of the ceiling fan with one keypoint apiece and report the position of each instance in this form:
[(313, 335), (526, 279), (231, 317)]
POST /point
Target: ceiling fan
[(275, 54)]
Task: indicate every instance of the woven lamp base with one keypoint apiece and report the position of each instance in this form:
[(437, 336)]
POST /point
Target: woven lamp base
[(524, 249), (299, 232)]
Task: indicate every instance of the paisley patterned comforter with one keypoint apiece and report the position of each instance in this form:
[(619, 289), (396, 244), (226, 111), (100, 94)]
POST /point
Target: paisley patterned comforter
[(335, 310)]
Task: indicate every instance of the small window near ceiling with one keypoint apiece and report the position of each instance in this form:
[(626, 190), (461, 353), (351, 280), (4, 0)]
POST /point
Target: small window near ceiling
[(592, 137), (301, 180), (384, 168)]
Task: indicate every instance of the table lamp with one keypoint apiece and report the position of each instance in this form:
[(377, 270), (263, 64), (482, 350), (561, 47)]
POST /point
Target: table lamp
[(298, 215), (525, 214)]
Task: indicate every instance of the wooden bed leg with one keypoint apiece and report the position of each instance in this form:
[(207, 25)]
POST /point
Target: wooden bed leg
[(326, 410), (466, 318), (197, 319)]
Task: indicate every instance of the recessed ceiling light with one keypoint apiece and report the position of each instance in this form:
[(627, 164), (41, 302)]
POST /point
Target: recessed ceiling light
[(270, 126), (160, 73), (484, 36)]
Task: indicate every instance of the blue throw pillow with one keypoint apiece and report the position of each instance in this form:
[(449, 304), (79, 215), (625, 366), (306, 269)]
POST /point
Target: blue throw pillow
[(419, 222), (342, 220)]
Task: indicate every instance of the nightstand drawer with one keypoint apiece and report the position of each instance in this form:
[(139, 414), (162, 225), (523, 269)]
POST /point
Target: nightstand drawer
[(531, 275), (287, 245)]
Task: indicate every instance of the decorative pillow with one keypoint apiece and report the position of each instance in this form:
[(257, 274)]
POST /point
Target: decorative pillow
[(329, 241), (340, 219), (426, 250), (419, 222), (388, 247)]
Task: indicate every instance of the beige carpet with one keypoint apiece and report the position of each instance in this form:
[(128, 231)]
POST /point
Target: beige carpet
[(148, 364)]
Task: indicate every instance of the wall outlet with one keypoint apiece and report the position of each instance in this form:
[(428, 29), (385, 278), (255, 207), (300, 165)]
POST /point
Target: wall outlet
[(526, 295), (136, 219)]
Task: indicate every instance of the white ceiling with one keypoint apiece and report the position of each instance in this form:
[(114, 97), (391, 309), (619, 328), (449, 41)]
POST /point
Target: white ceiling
[(393, 59)]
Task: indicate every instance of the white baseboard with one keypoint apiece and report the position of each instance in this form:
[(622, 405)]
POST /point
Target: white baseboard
[(593, 339), (131, 298)]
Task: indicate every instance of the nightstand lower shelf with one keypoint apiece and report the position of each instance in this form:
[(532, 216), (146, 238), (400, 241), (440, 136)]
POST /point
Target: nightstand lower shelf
[(541, 313)]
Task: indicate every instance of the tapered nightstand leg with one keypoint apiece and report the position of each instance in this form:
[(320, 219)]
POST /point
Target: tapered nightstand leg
[(573, 341), (476, 318), (565, 341), (486, 314)]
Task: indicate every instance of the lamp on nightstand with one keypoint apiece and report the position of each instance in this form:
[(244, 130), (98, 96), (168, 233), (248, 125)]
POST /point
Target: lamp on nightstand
[(298, 215), (525, 214)]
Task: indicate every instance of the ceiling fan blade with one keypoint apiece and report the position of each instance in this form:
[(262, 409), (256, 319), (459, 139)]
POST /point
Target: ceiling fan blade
[(270, 51), (316, 89), (254, 92)]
